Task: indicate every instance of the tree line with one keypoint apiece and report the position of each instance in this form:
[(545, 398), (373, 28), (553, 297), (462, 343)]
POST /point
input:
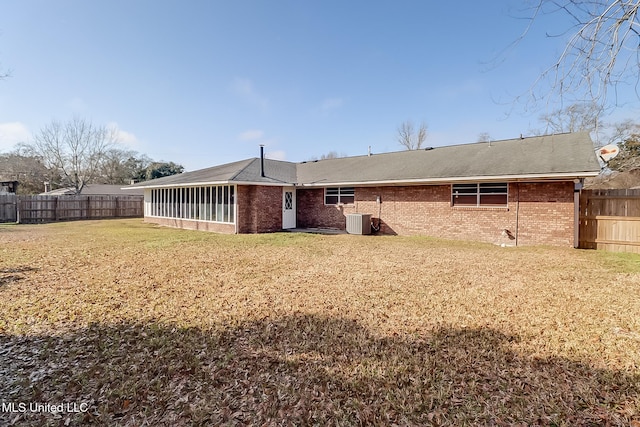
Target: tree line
[(75, 153)]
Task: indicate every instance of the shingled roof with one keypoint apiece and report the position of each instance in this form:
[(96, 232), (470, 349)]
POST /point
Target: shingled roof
[(545, 156), (569, 155), (244, 171)]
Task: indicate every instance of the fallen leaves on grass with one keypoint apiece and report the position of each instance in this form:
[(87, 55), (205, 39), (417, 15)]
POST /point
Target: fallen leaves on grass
[(306, 370), (151, 326)]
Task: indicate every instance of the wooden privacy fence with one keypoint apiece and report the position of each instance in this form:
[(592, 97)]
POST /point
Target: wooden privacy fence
[(8, 209), (37, 209), (610, 220)]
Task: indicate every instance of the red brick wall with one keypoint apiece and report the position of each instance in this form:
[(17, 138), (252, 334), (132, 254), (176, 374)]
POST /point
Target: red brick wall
[(545, 213), (312, 212), (259, 208)]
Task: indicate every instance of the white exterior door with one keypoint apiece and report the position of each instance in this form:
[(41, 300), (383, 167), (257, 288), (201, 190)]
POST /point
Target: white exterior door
[(288, 207)]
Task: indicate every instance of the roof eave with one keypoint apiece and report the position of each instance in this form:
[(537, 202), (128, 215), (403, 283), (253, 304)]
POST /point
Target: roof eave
[(204, 183), (182, 184), (267, 184), (563, 176)]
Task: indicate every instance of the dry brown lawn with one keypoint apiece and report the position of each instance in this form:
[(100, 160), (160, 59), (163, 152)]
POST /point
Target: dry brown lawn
[(155, 326)]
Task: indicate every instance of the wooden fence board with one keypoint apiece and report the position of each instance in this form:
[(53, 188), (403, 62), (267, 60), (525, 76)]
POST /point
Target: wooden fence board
[(610, 220), (8, 207), (619, 234), (38, 209)]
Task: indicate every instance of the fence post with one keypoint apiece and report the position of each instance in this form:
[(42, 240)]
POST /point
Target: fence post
[(17, 209)]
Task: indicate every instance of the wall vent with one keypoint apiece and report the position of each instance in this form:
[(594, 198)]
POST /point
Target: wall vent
[(359, 223)]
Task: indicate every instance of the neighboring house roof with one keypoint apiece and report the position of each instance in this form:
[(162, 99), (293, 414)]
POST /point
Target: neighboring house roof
[(97, 190), (569, 155)]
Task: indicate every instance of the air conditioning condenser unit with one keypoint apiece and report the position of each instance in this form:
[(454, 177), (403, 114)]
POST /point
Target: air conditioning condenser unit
[(359, 223)]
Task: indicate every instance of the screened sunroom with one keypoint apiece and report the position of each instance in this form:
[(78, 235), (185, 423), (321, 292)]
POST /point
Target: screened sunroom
[(213, 203)]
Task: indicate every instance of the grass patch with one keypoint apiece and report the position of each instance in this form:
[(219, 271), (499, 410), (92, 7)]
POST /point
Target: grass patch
[(158, 326), (621, 262)]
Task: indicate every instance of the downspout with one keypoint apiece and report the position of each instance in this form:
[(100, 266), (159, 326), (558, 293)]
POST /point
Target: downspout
[(18, 219), (577, 186), (261, 174), (235, 208), (517, 210)]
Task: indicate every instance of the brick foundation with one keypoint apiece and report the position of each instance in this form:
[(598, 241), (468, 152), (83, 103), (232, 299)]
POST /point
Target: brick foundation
[(191, 224)]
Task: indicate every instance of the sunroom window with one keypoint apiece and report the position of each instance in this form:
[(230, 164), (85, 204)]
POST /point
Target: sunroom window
[(203, 203)]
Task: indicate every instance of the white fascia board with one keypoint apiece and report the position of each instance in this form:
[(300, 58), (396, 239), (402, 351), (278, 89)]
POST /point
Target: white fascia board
[(267, 184), (509, 178), (187, 184), (200, 184)]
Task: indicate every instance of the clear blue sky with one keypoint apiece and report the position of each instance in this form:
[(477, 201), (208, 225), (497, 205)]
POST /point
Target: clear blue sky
[(205, 82)]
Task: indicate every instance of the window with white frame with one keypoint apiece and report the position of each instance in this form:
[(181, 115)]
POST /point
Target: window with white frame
[(491, 194), (339, 195), (203, 203)]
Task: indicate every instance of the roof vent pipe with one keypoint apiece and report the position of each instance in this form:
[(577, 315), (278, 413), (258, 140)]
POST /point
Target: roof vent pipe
[(262, 160)]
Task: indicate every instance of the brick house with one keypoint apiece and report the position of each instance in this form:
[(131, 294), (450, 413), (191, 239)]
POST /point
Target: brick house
[(521, 191)]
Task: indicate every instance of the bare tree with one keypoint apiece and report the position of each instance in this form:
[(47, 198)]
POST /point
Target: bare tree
[(484, 137), (121, 166), (586, 117), (574, 118), (629, 156), (409, 138), (29, 171), (626, 134), (330, 155), (623, 130), (4, 74), (75, 149), (601, 54)]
